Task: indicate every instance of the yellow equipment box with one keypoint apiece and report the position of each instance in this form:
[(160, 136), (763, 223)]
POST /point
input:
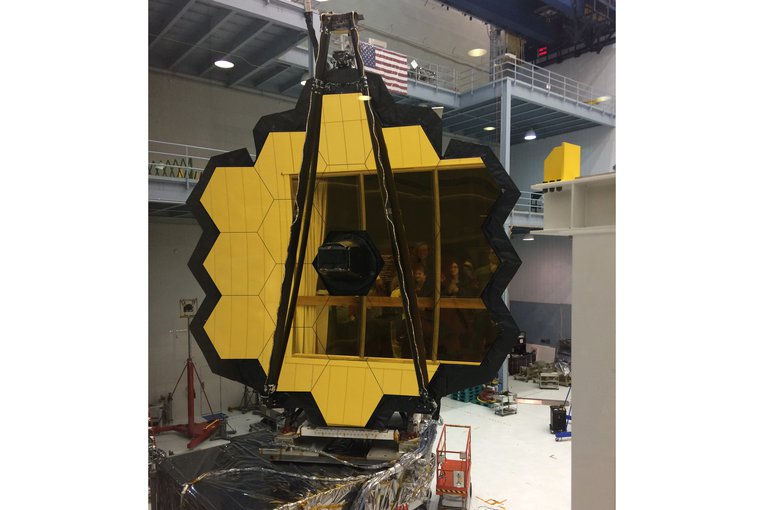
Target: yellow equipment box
[(563, 163)]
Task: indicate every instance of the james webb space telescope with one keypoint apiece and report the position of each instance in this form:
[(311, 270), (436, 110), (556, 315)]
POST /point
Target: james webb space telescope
[(301, 252)]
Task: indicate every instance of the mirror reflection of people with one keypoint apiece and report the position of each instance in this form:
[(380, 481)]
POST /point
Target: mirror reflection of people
[(420, 255), (483, 273), (399, 342), (420, 278), (454, 283), (454, 325)]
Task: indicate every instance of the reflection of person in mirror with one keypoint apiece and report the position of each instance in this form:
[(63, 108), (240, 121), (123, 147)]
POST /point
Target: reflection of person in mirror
[(420, 279), (483, 273), (420, 256), (400, 346), (454, 284)]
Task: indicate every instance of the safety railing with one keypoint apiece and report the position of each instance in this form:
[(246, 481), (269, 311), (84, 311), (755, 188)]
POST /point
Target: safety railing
[(439, 76), (538, 78), (519, 72), (530, 203), (179, 161)]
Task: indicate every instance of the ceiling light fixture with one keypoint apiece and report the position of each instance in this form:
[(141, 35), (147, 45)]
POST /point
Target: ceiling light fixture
[(304, 78), (414, 64), (530, 135), (489, 128), (528, 237), (364, 98), (224, 64), (477, 52), (438, 111)]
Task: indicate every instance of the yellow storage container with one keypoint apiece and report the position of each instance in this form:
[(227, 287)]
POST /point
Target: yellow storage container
[(563, 163)]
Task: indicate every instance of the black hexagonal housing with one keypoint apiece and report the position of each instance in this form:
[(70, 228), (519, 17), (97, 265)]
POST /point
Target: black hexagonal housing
[(348, 262)]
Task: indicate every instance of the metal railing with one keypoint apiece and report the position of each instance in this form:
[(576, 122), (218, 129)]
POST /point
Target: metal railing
[(439, 76), (551, 83), (530, 203), (519, 72), (179, 161)]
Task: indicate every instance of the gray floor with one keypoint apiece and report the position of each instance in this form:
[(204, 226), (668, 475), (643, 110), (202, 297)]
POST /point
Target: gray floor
[(516, 463)]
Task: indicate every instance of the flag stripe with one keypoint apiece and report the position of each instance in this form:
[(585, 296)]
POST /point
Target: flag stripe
[(391, 66)]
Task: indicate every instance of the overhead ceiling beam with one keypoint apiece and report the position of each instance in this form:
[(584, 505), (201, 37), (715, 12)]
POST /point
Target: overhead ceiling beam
[(283, 44), (203, 36), (563, 6), (280, 12), (554, 131), (288, 86), (295, 57), (530, 118), (268, 74), (479, 132), (488, 115), (177, 14), (256, 28), (552, 123), (511, 15), (467, 110)]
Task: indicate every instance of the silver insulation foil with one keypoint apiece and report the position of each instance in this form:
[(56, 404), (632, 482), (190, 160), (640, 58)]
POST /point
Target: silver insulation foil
[(237, 477)]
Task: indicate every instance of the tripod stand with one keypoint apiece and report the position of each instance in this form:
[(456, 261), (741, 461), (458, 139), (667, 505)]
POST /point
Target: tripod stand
[(200, 431)]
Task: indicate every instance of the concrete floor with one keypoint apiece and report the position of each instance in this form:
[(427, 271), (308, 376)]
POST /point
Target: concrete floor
[(516, 463), (515, 460)]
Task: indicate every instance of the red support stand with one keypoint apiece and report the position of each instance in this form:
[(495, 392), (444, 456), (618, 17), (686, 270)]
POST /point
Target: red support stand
[(198, 432)]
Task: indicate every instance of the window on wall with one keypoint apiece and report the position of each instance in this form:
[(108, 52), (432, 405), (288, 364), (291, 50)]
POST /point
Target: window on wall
[(443, 213)]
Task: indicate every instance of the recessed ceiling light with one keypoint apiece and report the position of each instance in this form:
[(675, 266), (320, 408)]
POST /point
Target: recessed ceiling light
[(530, 135), (224, 64), (488, 128), (414, 64), (364, 98), (477, 52)]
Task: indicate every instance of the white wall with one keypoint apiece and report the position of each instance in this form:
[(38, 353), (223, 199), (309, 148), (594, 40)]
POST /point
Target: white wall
[(195, 113), (544, 276), (595, 69), (170, 248)]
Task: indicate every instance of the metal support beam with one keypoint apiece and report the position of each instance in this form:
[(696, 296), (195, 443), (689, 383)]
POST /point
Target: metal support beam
[(281, 46), (296, 57), (563, 6), (181, 10), (268, 74), (220, 21), (506, 122), (512, 15), (256, 28), (280, 12)]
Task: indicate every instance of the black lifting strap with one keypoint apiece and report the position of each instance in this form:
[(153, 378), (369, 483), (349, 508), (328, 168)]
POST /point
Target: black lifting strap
[(304, 202), (395, 230), (298, 233)]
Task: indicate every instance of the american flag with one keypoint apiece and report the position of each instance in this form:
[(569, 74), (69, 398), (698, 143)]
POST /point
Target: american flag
[(392, 66)]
